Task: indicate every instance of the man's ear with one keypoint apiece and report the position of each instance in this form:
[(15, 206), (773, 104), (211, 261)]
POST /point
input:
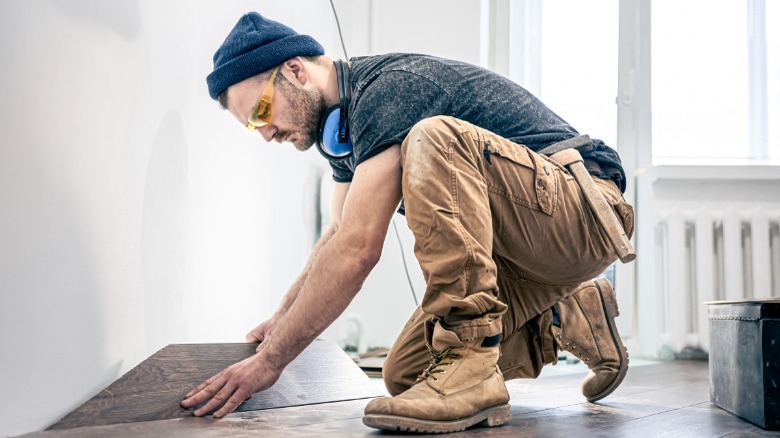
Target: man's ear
[(297, 68)]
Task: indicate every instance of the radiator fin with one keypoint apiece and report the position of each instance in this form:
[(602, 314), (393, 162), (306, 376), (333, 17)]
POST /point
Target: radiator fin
[(708, 255)]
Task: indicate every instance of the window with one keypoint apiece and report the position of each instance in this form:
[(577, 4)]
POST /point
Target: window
[(564, 52), (715, 80), (579, 57)]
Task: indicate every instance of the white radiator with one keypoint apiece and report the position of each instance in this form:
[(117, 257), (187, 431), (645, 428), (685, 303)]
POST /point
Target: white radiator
[(706, 255)]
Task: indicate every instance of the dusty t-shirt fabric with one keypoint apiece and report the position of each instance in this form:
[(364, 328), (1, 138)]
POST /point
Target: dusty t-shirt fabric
[(391, 93)]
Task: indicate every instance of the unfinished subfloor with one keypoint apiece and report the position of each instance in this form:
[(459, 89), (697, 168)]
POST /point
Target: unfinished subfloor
[(656, 399)]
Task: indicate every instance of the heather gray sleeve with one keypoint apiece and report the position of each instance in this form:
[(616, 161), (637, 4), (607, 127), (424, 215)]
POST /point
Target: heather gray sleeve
[(387, 108), (341, 171)]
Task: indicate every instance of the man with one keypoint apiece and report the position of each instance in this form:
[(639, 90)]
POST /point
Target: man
[(506, 240)]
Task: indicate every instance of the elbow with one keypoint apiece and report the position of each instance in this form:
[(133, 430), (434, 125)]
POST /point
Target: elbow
[(367, 253), (368, 257), (361, 250)]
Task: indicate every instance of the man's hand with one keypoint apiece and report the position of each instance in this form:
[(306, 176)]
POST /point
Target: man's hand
[(262, 332), (228, 389)]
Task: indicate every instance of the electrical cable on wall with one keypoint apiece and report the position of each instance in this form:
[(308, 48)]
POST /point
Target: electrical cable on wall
[(406, 268), (395, 227), (338, 26)]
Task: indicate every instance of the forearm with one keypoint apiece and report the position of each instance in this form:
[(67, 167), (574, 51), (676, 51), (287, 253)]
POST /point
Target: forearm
[(335, 278), (333, 275), (292, 293)]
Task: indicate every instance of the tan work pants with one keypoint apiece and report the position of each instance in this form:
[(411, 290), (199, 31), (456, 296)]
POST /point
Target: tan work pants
[(501, 234)]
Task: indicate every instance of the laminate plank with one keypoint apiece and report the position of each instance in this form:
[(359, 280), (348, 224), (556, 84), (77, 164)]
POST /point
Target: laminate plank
[(592, 421), (275, 422), (701, 420), (669, 396), (667, 399), (754, 433), (564, 390), (152, 390)]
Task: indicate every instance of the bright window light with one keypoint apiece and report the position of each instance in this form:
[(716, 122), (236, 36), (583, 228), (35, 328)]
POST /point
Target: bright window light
[(715, 77), (773, 76), (579, 55)]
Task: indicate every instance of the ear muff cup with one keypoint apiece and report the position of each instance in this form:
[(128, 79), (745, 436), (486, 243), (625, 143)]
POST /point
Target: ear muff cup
[(328, 143), (334, 142)]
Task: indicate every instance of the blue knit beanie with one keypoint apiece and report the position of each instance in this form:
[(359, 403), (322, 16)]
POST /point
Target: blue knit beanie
[(256, 44)]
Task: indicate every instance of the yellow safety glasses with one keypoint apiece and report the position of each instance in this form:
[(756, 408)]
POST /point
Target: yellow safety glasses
[(262, 114)]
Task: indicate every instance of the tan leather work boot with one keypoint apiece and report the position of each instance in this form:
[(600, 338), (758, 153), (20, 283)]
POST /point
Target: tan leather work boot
[(588, 331), (461, 387)]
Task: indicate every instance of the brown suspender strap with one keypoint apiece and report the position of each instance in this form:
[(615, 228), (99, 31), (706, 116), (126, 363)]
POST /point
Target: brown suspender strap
[(603, 212), (580, 142), (567, 157)]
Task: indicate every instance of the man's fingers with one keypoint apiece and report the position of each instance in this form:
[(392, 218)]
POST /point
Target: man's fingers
[(238, 397), (217, 400), (197, 389), (204, 384), (223, 393), (203, 392)]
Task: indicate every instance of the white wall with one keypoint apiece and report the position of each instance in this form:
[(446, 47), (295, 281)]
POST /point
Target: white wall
[(133, 212)]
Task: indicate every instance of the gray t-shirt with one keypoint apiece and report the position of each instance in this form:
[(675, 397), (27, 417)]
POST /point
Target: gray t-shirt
[(390, 93)]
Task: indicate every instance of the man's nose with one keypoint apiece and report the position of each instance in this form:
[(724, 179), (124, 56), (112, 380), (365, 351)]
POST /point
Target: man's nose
[(268, 132)]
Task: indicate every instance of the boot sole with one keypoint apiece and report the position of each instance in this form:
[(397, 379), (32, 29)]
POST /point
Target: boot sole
[(609, 301), (492, 416)]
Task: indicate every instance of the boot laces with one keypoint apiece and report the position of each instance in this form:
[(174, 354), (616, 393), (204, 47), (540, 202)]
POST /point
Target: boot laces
[(571, 347), (437, 362)]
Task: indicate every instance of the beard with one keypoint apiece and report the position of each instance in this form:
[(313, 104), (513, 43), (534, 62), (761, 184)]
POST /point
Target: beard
[(309, 106)]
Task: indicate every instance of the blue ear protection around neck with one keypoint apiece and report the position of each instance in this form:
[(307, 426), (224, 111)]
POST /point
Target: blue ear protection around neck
[(334, 142)]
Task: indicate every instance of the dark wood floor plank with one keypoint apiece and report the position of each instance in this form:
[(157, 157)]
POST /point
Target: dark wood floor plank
[(152, 390), (590, 421), (644, 392), (669, 399), (564, 390), (754, 433), (274, 422), (703, 420)]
